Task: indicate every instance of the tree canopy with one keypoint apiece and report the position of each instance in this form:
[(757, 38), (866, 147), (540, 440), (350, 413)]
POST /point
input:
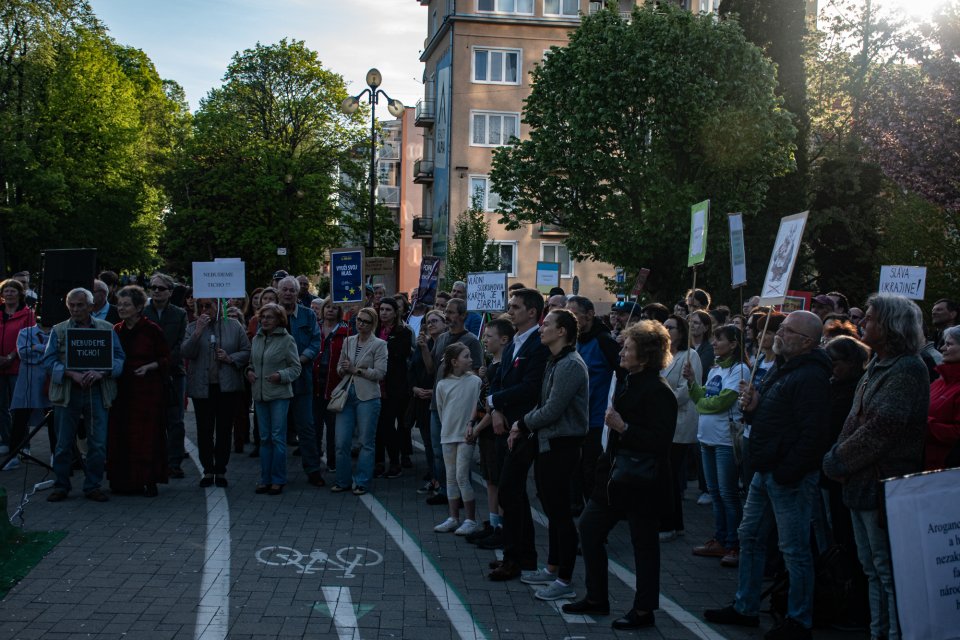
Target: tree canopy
[(634, 121)]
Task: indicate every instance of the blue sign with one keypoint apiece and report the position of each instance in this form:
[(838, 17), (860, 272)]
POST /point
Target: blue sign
[(346, 275), (429, 273)]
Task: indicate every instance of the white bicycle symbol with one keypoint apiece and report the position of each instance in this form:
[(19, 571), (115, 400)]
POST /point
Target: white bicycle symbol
[(346, 559)]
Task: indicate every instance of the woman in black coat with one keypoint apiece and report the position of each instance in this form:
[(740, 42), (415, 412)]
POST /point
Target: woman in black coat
[(395, 389), (641, 423)]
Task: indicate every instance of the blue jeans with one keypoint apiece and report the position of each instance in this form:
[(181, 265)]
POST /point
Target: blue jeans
[(301, 406), (272, 418), (362, 416), (788, 508), (873, 550), (721, 474), (88, 403), (439, 467)]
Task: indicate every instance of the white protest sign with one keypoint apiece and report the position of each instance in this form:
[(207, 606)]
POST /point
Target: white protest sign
[(923, 521), (487, 291), (738, 256), (908, 282), (224, 279), (784, 257)]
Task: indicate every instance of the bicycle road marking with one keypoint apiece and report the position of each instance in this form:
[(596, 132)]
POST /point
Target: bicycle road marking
[(342, 611), (361, 557), (456, 608), (213, 610)]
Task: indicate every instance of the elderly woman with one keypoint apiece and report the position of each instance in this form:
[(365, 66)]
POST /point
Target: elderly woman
[(15, 315), (217, 350), (363, 364), (137, 431), (333, 331), (882, 437), (274, 365), (943, 420), (641, 425)]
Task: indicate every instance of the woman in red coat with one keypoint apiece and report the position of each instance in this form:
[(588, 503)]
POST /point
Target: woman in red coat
[(137, 434), (943, 420)]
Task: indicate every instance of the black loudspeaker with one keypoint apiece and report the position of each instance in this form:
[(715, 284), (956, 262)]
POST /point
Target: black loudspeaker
[(64, 270)]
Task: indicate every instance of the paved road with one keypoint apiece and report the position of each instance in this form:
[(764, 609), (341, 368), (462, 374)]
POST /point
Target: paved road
[(212, 563)]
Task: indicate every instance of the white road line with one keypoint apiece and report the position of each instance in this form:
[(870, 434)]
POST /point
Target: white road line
[(453, 604), (213, 610), (341, 610)]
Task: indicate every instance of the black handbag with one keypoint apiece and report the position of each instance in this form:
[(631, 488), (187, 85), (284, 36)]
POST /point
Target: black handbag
[(633, 471)]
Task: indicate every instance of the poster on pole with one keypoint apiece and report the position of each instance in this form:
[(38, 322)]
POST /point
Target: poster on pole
[(923, 521), (699, 219), (548, 276), (785, 250), (738, 255), (346, 275), (219, 279), (487, 291), (909, 282), (640, 282), (429, 276)]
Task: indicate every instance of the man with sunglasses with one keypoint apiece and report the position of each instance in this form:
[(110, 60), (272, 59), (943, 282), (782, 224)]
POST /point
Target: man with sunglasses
[(173, 320)]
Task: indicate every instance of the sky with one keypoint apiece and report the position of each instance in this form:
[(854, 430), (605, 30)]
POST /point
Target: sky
[(192, 41)]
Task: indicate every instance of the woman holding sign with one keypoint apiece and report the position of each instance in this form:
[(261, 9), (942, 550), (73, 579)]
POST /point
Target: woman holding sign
[(137, 432)]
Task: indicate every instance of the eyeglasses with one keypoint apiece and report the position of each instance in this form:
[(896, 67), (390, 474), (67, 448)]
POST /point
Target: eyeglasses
[(159, 288), (364, 321)]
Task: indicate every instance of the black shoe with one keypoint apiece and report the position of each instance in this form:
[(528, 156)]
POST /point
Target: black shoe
[(57, 496), (477, 536), (262, 489), (437, 499), (729, 615), (316, 479), (97, 496), (392, 473), (585, 607), (634, 620), (275, 490), (405, 462), (379, 470), (492, 541), (175, 473), (221, 481), (506, 571), (206, 481), (789, 629)]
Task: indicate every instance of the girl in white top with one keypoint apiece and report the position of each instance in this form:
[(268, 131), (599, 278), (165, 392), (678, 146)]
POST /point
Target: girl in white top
[(457, 394)]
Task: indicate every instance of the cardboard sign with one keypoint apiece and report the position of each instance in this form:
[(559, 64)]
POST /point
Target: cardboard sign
[(785, 250), (908, 282), (89, 350), (224, 278), (923, 521), (738, 255), (548, 276), (699, 220), (346, 275), (641, 282), (429, 275), (487, 291), (377, 266)]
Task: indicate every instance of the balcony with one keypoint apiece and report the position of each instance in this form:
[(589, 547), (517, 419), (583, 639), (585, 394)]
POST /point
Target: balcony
[(552, 230), (424, 114), (422, 228), (423, 172)]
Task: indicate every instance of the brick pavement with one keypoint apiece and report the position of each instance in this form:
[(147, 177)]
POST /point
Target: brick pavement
[(133, 568)]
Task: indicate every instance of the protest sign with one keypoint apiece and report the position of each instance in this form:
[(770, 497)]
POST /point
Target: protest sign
[(699, 219), (923, 521), (548, 276), (487, 291), (429, 275), (219, 279), (640, 282), (784, 257), (346, 275), (908, 282), (89, 350), (738, 255)]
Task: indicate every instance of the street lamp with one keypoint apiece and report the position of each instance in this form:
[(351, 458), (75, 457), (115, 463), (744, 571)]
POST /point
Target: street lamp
[(349, 106)]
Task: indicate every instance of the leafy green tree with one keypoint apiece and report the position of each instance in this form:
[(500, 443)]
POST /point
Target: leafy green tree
[(633, 122), (262, 168), (469, 249)]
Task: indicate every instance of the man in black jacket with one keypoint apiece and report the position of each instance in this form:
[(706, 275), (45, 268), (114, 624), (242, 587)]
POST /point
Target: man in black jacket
[(789, 417)]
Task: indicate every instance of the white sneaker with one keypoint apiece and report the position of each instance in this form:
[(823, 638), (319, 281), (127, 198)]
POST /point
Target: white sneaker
[(705, 498), (13, 464), (540, 576), (468, 527), (556, 591), (667, 536), (448, 525)]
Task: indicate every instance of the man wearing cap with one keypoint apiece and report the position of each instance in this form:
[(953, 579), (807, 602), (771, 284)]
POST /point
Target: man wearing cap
[(624, 313), (278, 275), (822, 305)]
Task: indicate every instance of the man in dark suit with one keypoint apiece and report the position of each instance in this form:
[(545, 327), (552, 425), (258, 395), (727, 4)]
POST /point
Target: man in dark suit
[(520, 374)]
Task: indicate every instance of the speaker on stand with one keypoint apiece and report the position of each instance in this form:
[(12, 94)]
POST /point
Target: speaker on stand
[(63, 270)]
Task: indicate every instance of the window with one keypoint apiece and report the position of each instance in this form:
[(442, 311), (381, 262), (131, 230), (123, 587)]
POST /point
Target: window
[(496, 66), (506, 6), (561, 7), (493, 129), (508, 256), (489, 199), (555, 252)]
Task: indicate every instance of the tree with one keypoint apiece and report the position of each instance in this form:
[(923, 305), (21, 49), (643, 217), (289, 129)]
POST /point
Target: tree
[(262, 169), (633, 122), (470, 250)]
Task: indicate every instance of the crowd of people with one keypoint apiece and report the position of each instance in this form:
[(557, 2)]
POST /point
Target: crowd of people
[(789, 421)]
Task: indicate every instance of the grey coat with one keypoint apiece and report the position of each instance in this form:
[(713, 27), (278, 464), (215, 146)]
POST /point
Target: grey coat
[(198, 350), (564, 407)]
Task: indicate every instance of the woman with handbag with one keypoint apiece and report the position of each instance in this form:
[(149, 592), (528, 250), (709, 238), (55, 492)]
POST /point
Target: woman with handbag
[(633, 479), (274, 365), (362, 365)]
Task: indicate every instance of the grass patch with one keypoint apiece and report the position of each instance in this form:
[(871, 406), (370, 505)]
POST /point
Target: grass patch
[(21, 551)]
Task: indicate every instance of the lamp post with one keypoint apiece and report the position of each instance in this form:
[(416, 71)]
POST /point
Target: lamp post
[(349, 106)]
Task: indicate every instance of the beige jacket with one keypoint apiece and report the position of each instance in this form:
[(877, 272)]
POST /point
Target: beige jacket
[(372, 362)]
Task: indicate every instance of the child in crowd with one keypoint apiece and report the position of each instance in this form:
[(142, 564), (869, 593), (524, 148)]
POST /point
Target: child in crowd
[(457, 395)]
